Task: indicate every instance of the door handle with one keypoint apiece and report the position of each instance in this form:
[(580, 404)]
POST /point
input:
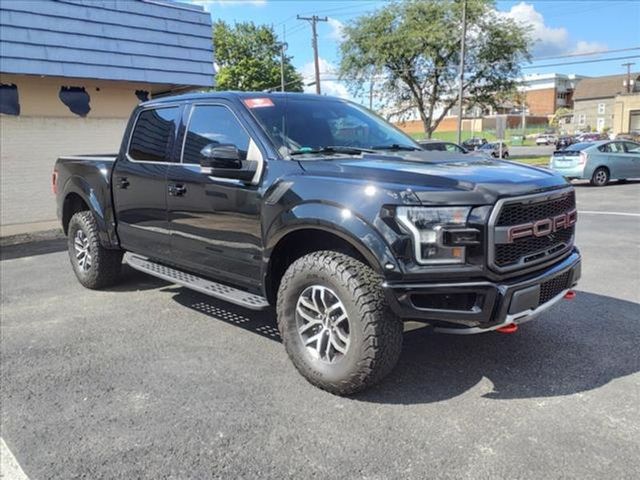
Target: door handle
[(177, 190), (123, 182)]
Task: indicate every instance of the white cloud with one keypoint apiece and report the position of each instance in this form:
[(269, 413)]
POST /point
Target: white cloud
[(337, 29), (548, 40), (587, 47), (327, 70)]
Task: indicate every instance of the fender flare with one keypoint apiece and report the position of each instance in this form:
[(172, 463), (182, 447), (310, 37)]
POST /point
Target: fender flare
[(338, 221), (100, 207)]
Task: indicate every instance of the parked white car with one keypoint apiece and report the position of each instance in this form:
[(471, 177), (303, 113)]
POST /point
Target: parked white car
[(546, 139)]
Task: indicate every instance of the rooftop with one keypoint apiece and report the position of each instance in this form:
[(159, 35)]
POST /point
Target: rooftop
[(151, 41), (605, 87)]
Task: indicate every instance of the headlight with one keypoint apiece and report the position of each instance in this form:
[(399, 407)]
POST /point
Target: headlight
[(427, 225)]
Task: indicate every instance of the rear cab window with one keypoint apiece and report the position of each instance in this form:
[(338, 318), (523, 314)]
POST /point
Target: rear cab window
[(154, 134)]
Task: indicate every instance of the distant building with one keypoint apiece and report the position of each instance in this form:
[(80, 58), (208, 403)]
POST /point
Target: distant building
[(71, 72), (545, 93), (607, 103)]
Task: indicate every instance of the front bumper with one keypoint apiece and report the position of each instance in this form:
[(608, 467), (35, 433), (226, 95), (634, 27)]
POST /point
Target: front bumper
[(476, 307)]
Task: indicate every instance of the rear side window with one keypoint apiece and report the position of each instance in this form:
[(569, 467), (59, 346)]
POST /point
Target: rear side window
[(153, 135), (632, 147), (213, 124)]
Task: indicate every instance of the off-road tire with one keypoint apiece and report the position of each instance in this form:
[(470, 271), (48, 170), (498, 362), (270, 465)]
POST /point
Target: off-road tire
[(375, 332), (105, 263), (600, 177)]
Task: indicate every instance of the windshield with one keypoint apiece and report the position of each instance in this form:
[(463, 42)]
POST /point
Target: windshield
[(318, 126)]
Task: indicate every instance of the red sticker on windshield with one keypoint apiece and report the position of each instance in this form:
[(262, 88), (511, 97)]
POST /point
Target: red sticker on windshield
[(258, 102)]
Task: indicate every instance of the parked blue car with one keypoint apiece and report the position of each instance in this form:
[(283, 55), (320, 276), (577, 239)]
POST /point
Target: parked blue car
[(598, 162)]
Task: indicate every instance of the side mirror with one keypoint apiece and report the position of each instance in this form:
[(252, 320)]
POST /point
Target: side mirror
[(224, 161)]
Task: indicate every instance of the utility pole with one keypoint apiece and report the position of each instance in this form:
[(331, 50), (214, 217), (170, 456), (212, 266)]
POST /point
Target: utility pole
[(314, 43), (283, 47), (371, 93), (462, 53), (628, 65)]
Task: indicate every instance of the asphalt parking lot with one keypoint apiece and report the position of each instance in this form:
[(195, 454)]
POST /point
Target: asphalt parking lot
[(150, 380)]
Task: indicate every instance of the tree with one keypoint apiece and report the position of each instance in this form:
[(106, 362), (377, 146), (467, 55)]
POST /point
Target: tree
[(248, 59), (562, 115), (414, 45)]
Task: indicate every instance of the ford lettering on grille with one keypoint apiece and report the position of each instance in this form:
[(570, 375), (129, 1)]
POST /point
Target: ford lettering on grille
[(542, 228), (526, 231)]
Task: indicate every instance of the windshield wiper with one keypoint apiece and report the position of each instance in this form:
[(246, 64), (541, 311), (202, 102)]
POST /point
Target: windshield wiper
[(396, 146), (331, 149)]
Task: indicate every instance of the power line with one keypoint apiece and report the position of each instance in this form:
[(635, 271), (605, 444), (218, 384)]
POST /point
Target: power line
[(595, 60), (585, 54)]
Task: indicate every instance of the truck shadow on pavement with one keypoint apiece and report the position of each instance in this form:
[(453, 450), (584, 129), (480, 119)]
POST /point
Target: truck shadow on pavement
[(578, 346)]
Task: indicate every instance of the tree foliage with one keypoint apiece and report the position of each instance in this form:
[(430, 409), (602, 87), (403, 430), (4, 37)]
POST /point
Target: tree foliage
[(248, 59), (414, 48)]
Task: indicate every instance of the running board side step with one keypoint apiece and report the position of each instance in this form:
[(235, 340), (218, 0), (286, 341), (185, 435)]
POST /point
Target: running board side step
[(199, 284)]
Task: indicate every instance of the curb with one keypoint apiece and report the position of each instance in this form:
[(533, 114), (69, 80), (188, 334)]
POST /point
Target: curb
[(24, 238)]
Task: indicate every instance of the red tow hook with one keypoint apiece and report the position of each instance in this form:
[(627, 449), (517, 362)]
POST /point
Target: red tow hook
[(511, 328), (570, 295)]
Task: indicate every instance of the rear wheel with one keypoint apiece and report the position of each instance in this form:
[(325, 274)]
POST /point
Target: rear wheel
[(600, 177), (335, 323), (94, 266)]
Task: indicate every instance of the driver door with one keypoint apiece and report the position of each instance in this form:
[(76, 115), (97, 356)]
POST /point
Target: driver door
[(214, 222)]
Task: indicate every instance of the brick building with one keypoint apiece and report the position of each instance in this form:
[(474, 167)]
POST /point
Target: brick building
[(71, 72), (545, 93)]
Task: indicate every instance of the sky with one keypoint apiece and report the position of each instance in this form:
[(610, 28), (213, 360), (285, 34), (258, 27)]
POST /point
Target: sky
[(560, 27)]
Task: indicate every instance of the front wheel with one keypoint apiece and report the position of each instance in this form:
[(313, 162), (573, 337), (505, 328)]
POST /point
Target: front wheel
[(94, 266), (335, 322), (600, 177)]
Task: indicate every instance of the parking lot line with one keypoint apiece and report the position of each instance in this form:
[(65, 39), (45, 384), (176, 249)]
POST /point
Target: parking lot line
[(9, 467), (622, 214)]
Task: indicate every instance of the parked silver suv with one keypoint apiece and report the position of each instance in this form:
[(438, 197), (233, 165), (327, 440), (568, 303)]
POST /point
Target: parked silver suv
[(495, 149)]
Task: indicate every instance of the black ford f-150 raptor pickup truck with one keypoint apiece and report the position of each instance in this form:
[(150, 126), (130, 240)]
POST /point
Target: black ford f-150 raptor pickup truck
[(317, 207)]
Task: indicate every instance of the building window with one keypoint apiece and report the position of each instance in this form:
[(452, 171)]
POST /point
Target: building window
[(601, 108), (582, 119), (600, 124), (154, 134), (9, 104), (76, 99)]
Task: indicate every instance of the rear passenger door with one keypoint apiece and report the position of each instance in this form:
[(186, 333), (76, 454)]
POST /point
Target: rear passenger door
[(140, 182), (620, 164), (633, 156)]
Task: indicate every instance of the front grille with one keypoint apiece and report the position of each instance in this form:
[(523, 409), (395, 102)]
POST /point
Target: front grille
[(553, 287), (532, 248), (505, 255), (519, 213)]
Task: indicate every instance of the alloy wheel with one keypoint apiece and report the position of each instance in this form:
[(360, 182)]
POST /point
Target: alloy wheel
[(323, 324), (83, 250)]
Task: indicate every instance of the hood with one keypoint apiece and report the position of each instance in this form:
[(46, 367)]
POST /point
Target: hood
[(437, 177)]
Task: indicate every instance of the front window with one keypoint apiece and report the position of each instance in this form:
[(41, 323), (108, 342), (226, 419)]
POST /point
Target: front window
[(309, 125), (213, 125), (601, 108)]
